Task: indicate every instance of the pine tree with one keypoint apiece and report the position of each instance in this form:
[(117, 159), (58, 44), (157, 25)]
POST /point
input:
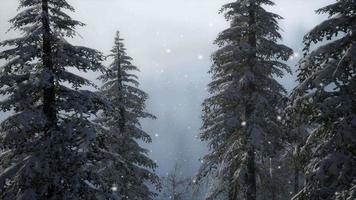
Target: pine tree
[(241, 118), (128, 168), (46, 140), (327, 93)]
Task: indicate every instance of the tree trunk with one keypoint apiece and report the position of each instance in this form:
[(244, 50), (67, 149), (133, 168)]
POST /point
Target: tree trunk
[(174, 187), (122, 122), (273, 187), (122, 108), (296, 170), (273, 191), (49, 96), (251, 168), (296, 180), (251, 179)]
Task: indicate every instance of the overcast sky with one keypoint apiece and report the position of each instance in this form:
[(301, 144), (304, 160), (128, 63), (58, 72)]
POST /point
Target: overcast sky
[(171, 42)]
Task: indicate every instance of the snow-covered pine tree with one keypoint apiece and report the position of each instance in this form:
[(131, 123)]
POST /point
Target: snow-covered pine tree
[(241, 118), (46, 139), (129, 169), (327, 92)]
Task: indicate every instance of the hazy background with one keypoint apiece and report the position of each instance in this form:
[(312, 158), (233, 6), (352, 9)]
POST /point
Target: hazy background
[(171, 42)]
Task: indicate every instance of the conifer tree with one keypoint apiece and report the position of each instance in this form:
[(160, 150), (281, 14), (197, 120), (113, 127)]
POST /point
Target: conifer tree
[(327, 92), (128, 169), (241, 118), (46, 140)]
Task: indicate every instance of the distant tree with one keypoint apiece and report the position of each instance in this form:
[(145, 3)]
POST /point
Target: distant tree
[(127, 166), (241, 118), (175, 186), (327, 92), (46, 140)]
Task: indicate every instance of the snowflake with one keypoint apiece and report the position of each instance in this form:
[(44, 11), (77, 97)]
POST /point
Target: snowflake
[(114, 188)]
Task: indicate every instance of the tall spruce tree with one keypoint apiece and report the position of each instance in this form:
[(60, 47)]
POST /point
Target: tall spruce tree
[(327, 92), (46, 140), (240, 119), (129, 169)]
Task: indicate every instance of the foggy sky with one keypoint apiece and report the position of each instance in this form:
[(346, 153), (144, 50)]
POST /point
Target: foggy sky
[(171, 42)]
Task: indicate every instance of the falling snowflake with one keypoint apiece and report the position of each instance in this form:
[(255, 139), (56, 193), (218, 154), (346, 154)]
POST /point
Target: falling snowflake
[(114, 188)]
